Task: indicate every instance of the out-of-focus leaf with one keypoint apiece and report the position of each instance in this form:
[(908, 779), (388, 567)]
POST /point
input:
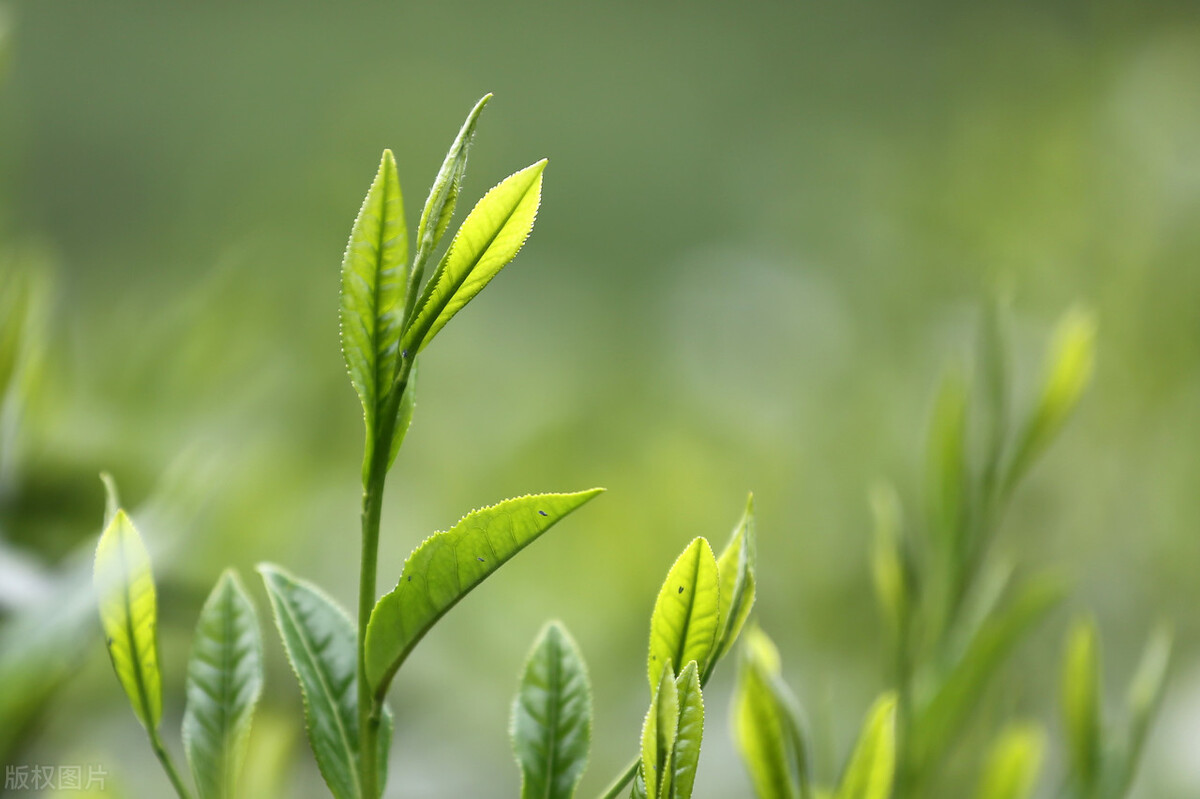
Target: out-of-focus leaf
[(373, 286), (320, 642), (443, 195), (1070, 361), (224, 682), (1081, 701), (946, 479), (736, 568), (689, 733), (129, 613), (552, 717), (937, 722), (993, 355), (489, 238), (888, 558), (658, 734), (687, 613), (869, 773), (766, 736), (1146, 688), (446, 566), (1013, 763)]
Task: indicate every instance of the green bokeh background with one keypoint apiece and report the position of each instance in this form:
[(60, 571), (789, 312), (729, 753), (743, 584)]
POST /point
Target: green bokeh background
[(766, 229)]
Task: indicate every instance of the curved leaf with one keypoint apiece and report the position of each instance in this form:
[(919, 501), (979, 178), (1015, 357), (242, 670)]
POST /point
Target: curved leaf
[(129, 613), (373, 286), (872, 766), (491, 236), (685, 756), (225, 677), (687, 613), (446, 566), (658, 734), (761, 726), (552, 717), (736, 567), (1013, 763), (1081, 700), (320, 642), (404, 414)]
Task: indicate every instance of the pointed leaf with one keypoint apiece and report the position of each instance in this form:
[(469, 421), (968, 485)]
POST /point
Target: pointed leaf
[(736, 568), (1081, 700), (658, 734), (1013, 763), (404, 415), (373, 286), (687, 612), (129, 613), (443, 195), (446, 566), (225, 677), (761, 729), (491, 236), (872, 766), (320, 642), (888, 565), (1146, 688), (685, 757), (552, 717)]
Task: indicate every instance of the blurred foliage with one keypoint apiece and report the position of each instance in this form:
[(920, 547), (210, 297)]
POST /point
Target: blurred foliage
[(765, 228)]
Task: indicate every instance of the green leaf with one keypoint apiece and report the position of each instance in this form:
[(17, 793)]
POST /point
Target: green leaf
[(763, 730), (225, 677), (658, 734), (1081, 701), (687, 613), (888, 564), (404, 414), (446, 566), (1070, 361), (946, 480), (736, 568), (1146, 688), (689, 733), (320, 642), (552, 717), (491, 236), (1013, 763), (873, 764), (373, 294), (937, 722), (129, 613), (443, 195)]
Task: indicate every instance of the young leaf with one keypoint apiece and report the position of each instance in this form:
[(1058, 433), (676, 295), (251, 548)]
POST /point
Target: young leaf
[(491, 236), (443, 195), (446, 566), (552, 717), (685, 755), (1081, 700), (736, 568), (872, 766), (320, 642), (766, 739), (888, 558), (225, 677), (404, 414), (1146, 689), (373, 286), (129, 612), (1068, 369), (1013, 763), (687, 613), (658, 735)]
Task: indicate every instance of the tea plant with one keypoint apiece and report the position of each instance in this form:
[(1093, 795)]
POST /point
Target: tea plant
[(954, 614), (389, 314)]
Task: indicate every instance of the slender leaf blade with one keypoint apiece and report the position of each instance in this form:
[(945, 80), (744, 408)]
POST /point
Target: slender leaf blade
[(760, 723), (687, 613), (373, 292), (1013, 763), (490, 237), (125, 593), (447, 565), (443, 195), (404, 414), (1081, 700), (224, 682), (685, 756), (319, 639), (658, 735), (736, 567), (872, 767), (552, 717)]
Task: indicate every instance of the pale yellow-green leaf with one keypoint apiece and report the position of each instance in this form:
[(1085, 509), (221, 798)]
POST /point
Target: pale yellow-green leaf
[(1081, 700), (872, 767), (687, 613), (887, 557), (761, 729), (736, 567), (1013, 763)]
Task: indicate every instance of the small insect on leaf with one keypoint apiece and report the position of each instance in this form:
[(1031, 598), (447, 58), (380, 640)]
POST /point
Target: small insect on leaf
[(552, 717), (125, 594)]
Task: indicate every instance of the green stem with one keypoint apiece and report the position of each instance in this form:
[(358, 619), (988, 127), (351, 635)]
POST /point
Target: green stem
[(620, 782), (164, 757)]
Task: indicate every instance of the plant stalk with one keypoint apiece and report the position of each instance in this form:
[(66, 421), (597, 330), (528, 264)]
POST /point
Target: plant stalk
[(620, 782), (164, 757)]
